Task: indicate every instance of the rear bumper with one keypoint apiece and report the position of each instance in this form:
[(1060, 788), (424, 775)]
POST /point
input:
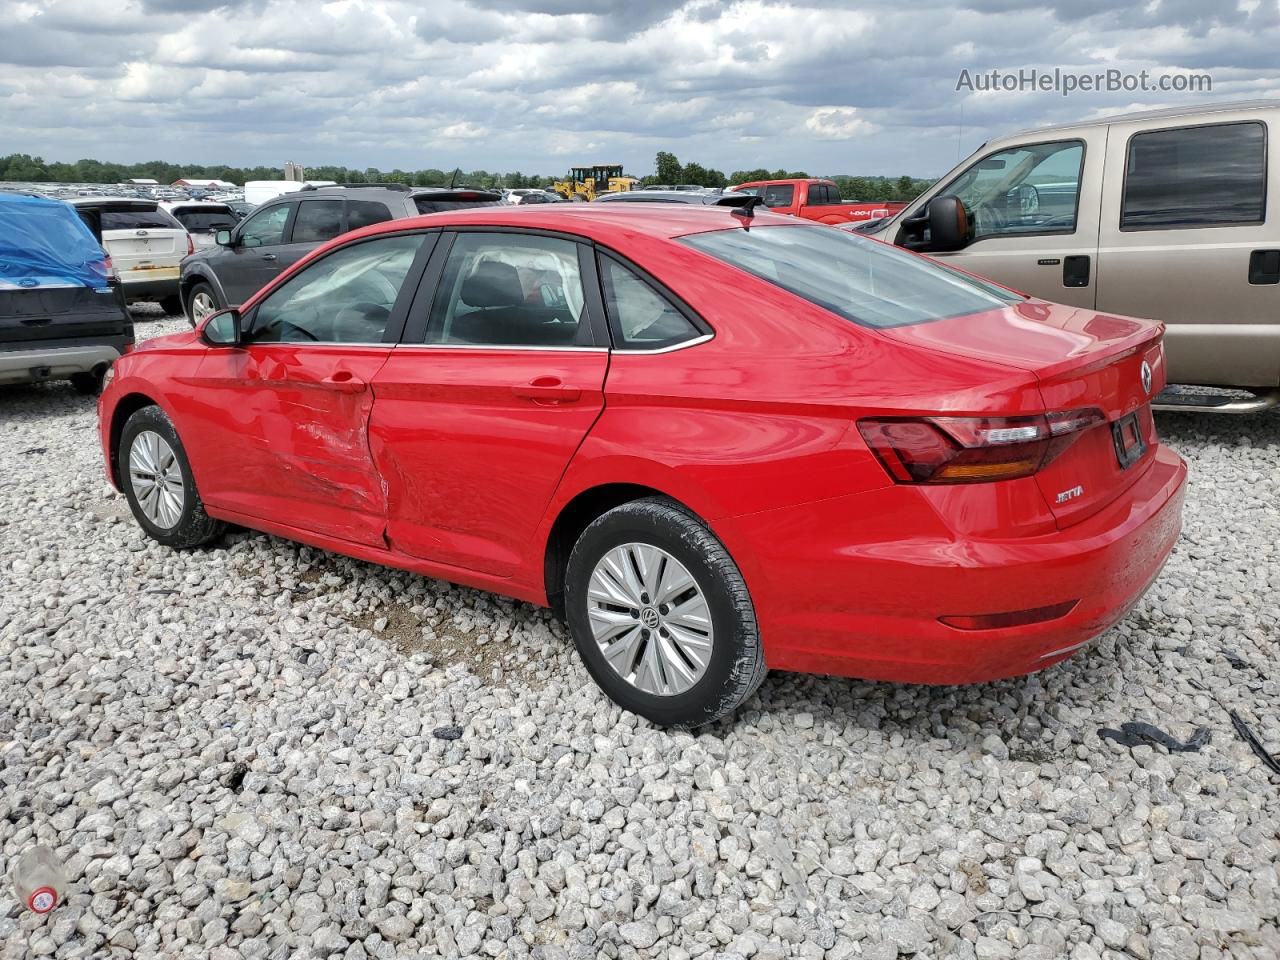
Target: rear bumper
[(150, 289), (836, 605), (53, 362)]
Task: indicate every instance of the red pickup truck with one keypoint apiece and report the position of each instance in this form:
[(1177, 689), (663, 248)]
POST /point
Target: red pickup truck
[(816, 200)]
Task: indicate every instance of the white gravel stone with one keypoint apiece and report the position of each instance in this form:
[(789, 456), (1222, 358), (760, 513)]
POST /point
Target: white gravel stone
[(233, 762)]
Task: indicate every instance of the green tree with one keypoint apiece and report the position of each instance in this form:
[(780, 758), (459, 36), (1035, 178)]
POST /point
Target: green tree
[(667, 168)]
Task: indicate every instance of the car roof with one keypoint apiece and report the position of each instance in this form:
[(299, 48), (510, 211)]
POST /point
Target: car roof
[(604, 222), (1163, 113), (657, 196), (139, 203)]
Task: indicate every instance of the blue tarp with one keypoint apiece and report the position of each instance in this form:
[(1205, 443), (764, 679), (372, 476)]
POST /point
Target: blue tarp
[(44, 243)]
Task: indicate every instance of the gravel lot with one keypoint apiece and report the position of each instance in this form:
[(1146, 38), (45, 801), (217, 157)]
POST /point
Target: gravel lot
[(261, 750)]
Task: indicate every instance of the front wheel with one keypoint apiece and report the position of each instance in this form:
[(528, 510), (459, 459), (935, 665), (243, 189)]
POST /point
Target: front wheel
[(661, 615), (157, 481), (201, 301)]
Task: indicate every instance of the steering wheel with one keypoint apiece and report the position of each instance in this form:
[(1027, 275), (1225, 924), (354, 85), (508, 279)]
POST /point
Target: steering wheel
[(988, 218)]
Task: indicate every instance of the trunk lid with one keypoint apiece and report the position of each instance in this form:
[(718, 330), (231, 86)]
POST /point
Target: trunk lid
[(1082, 360)]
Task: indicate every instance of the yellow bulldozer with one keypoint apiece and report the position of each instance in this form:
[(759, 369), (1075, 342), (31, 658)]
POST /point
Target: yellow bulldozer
[(587, 183)]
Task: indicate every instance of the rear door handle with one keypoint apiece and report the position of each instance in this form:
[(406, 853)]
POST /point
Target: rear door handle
[(1264, 267), (547, 390), (268, 256), (344, 382), (1075, 271)]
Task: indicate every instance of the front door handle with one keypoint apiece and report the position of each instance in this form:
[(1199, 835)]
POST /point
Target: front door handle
[(268, 256), (547, 390), (1075, 271), (344, 382), (1264, 267)]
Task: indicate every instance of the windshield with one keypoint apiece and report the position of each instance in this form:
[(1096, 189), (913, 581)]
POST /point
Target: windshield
[(860, 279), (206, 220)]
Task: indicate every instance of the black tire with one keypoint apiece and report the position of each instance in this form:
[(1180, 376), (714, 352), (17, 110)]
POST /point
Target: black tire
[(87, 384), (193, 527), (172, 306), (736, 664), (196, 289)]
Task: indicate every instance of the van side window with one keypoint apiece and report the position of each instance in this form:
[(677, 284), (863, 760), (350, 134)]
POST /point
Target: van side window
[(1029, 189), (1196, 176)]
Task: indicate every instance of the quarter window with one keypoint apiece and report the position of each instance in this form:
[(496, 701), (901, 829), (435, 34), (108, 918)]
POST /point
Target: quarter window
[(640, 318), (510, 290), (317, 220), (1027, 189), (362, 213), (346, 297), (265, 228), (1196, 176)]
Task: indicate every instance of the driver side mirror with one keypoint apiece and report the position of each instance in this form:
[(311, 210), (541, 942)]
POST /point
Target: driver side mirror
[(948, 224), (222, 329), (222, 238)]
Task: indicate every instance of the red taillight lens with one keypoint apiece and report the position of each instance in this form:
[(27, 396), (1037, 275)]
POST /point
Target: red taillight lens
[(972, 449), (191, 246)]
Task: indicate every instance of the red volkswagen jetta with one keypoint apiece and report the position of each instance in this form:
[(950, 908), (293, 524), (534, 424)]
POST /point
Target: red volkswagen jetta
[(723, 443)]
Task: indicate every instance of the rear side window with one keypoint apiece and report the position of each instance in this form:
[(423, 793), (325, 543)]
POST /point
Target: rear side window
[(1195, 176), (864, 281), (317, 220), (139, 220), (822, 193), (779, 195), (363, 213), (640, 318)]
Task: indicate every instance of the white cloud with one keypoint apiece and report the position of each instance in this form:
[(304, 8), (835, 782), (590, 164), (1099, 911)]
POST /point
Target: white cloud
[(837, 123)]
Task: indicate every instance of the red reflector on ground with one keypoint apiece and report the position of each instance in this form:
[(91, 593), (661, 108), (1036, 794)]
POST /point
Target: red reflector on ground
[(1013, 618)]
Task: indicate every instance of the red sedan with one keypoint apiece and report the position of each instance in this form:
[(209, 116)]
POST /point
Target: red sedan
[(722, 443)]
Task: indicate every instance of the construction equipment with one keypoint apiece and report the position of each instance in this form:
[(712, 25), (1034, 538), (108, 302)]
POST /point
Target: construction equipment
[(587, 183)]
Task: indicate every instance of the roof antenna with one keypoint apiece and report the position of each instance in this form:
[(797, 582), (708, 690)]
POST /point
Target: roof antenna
[(743, 207), (454, 178)]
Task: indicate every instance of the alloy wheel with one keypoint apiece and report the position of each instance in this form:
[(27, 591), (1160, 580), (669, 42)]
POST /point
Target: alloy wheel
[(650, 618), (201, 306), (156, 478)]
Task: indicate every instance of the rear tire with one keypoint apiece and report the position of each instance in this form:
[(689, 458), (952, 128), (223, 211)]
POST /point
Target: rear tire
[(202, 300), (86, 384), (157, 481), (172, 306), (685, 655)]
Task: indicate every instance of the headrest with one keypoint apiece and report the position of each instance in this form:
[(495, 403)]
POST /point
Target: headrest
[(493, 284)]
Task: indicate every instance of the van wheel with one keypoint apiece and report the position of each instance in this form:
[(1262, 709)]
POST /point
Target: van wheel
[(172, 306), (661, 616), (157, 481), (201, 301)]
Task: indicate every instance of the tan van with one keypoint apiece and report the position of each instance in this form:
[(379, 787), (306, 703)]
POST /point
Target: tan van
[(1170, 214)]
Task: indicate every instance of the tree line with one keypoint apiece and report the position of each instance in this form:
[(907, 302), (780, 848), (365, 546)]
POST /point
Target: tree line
[(23, 167)]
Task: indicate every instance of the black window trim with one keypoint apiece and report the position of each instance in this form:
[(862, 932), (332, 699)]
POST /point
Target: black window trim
[(1075, 215), (705, 331), (1266, 168), (394, 329), (286, 232), (590, 335)]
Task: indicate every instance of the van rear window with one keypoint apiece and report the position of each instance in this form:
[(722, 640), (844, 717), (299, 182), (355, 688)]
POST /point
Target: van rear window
[(862, 280)]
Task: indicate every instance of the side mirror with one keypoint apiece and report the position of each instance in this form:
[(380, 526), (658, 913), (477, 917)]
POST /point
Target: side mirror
[(222, 238), (222, 329), (948, 224)]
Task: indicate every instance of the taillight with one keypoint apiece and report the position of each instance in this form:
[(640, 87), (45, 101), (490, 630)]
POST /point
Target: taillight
[(191, 247), (972, 449)]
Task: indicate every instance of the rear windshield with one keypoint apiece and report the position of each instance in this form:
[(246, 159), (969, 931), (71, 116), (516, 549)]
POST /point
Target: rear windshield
[(138, 220), (427, 205), (860, 279), (206, 221)]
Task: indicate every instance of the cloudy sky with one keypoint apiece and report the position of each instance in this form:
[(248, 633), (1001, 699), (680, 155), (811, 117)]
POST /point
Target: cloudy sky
[(535, 85)]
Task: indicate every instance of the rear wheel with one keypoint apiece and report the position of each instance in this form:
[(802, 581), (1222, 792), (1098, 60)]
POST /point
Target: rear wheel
[(661, 615), (87, 384), (158, 484), (201, 301), (172, 306)]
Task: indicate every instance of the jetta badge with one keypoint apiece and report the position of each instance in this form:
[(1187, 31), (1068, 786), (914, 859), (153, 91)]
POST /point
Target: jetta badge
[(1145, 373)]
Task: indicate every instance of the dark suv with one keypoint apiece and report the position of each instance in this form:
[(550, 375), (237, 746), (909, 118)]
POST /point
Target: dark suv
[(282, 231)]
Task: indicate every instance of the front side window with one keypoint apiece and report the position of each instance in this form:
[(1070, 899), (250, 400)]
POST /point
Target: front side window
[(779, 195), (640, 317), (266, 227), (345, 297), (509, 290), (1196, 176), (869, 283), (1027, 189), (317, 221)]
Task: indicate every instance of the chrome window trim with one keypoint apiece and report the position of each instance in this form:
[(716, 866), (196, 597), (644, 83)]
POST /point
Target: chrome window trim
[(499, 346), (682, 345)]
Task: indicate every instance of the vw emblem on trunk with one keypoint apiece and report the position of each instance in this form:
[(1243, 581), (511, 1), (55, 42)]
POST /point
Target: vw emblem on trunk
[(1145, 373)]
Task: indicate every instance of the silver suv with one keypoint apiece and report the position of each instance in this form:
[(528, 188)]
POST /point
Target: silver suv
[(1164, 214)]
